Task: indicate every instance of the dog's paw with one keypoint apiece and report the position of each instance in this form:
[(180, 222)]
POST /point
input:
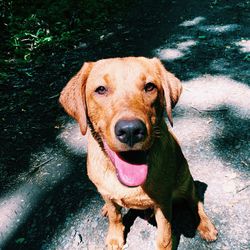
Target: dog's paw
[(115, 238), (207, 231), (163, 246), (115, 244)]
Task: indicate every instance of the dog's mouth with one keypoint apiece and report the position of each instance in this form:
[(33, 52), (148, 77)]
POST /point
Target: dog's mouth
[(131, 166)]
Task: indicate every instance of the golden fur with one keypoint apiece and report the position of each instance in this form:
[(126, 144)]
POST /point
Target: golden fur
[(168, 175)]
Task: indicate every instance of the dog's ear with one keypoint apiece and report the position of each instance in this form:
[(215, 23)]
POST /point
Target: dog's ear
[(172, 88), (72, 96)]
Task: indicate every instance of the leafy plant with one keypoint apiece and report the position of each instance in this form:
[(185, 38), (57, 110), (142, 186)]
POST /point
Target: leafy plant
[(32, 28), (32, 34)]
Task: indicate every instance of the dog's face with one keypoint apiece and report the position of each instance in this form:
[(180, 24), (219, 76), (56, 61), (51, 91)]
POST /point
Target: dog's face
[(123, 99)]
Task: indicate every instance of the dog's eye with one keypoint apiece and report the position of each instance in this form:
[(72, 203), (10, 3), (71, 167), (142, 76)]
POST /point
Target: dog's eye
[(101, 90), (149, 87)]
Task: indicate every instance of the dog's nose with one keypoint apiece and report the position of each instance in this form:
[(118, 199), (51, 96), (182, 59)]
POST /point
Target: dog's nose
[(130, 131)]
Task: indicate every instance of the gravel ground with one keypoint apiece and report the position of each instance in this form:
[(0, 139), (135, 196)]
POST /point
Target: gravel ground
[(207, 46)]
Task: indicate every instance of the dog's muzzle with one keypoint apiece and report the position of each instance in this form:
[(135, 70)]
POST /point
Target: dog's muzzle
[(130, 132)]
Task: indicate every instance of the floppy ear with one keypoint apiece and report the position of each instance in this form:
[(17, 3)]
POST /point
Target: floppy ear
[(72, 96), (172, 88)]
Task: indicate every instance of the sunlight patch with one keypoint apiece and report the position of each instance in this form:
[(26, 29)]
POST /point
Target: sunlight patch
[(187, 135), (208, 93), (14, 209), (73, 233), (193, 22), (219, 28), (170, 54), (245, 45), (19, 204), (186, 45), (73, 139)]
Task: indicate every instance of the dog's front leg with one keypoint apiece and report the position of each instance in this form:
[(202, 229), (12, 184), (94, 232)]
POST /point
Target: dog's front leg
[(163, 236), (115, 237), (206, 228)]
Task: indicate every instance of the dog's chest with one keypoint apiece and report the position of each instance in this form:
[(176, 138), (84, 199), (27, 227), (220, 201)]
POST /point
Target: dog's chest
[(136, 199), (110, 188)]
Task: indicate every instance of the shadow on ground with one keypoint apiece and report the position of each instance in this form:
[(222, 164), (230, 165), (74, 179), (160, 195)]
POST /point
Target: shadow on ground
[(184, 221)]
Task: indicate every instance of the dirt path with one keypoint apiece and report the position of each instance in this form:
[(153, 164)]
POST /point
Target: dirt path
[(207, 46)]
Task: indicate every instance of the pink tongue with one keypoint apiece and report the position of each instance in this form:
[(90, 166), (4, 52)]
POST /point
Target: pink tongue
[(129, 174)]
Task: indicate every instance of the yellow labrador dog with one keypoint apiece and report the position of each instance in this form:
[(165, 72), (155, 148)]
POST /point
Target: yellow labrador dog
[(133, 159)]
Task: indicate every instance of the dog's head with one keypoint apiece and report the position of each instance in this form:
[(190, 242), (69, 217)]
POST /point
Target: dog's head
[(123, 99)]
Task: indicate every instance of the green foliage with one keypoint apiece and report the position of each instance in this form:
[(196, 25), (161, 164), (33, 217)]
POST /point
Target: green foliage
[(32, 27), (247, 57), (30, 34), (20, 240)]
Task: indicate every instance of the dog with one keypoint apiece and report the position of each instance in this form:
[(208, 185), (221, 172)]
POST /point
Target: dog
[(133, 159)]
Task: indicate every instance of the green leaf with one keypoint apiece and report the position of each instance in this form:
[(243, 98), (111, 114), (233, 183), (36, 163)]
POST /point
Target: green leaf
[(28, 74), (47, 39), (247, 57), (20, 240), (27, 57)]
